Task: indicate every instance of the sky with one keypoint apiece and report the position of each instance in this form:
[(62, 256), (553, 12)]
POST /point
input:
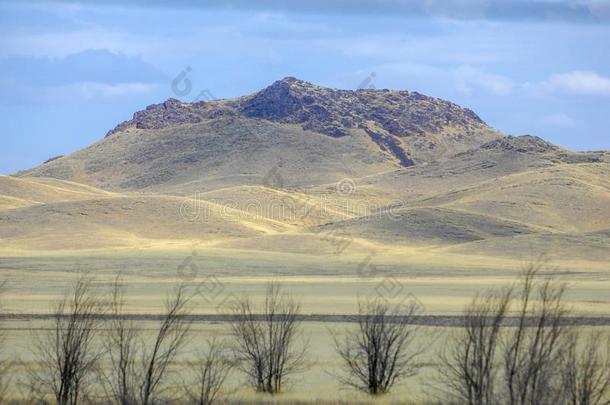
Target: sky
[(72, 70)]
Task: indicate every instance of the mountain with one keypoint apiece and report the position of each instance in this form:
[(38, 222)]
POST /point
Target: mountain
[(298, 168), (316, 135)]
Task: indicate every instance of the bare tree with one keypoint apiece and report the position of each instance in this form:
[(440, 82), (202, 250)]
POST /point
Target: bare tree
[(211, 371), (381, 351), (5, 364), (68, 352), (585, 369), (468, 369), (140, 366), (529, 350), (168, 342), (265, 345), (121, 346), (532, 347)]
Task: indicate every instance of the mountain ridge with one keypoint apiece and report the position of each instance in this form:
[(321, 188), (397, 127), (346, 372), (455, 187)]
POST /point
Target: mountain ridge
[(409, 126), (297, 168), (311, 134), (295, 101)]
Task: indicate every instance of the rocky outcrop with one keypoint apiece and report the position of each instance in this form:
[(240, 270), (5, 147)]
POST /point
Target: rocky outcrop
[(333, 112), (522, 144), (173, 112), (327, 111), (533, 145), (52, 159)]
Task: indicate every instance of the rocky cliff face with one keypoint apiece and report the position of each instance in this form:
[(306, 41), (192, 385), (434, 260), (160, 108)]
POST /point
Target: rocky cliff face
[(311, 134), (408, 127), (327, 111), (333, 112)]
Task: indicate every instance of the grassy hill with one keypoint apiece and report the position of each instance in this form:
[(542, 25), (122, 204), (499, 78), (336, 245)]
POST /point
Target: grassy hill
[(308, 182)]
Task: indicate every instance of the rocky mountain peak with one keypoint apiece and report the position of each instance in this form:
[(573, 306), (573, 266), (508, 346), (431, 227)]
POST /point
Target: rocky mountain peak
[(274, 102), (331, 112), (334, 112), (522, 144)]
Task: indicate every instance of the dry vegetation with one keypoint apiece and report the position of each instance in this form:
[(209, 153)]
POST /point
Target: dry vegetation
[(513, 348), (265, 343), (380, 352), (537, 360)]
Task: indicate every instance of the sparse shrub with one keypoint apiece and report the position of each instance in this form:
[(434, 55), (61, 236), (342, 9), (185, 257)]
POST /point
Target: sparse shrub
[(468, 367), (6, 365), (211, 371), (531, 349), (140, 366), (585, 369), (266, 346), (531, 358), (67, 352), (381, 351)]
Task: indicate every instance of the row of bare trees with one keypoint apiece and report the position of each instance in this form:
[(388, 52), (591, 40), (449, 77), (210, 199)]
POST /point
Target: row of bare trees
[(267, 348), (94, 351), (87, 330), (515, 347)]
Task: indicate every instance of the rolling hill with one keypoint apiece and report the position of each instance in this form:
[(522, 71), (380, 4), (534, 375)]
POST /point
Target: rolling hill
[(288, 167)]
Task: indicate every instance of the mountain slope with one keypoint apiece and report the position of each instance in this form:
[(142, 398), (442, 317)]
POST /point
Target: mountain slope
[(298, 168), (216, 153), (314, 134), (23, 192)]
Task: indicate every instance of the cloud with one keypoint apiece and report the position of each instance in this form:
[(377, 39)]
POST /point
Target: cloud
[(591, 11), (88, 75), (578, 82), (12, 94), (461, 80), (469, 78), (558, 120), (93, 65), (92, 90)]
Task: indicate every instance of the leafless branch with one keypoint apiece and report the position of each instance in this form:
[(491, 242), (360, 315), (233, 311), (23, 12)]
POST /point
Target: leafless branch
[(381, 351), (68, 353), (585, 369), (211, 371), (265, 345), (468, 369)]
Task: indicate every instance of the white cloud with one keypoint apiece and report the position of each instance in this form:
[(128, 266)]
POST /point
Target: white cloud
[(470, 78), (577, 82), (558, 120), (463, 80), (93, 90), (63, 43), (86, 91)]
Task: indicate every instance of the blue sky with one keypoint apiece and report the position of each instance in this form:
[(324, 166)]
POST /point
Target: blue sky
[(70, 71)]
